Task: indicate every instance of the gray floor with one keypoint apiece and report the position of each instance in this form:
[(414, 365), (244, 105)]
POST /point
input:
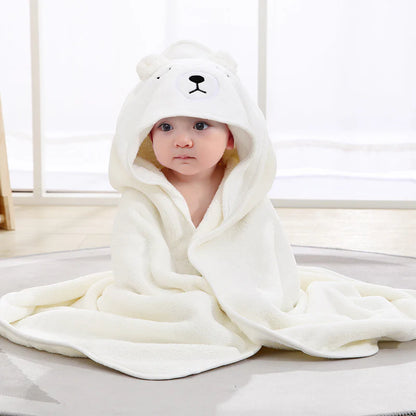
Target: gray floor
[(270, 383)]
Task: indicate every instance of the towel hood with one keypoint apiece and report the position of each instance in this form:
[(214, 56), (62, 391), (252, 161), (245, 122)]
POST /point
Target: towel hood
[(188, 79)]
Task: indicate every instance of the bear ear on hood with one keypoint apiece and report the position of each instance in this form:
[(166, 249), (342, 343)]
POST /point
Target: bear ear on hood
[(149, 65), (183, 50)]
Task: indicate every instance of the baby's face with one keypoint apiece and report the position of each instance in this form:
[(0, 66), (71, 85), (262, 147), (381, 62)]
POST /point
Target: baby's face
[(190, 146)]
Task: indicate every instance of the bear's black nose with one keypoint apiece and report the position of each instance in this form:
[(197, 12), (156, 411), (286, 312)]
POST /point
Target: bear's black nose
[(196, 78)]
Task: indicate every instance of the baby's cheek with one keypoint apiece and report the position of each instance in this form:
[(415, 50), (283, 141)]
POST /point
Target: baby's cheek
[(211, 157), (160, 153)]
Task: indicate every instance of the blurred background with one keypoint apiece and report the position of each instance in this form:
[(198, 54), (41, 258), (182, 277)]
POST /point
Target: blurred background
[(335, 79)]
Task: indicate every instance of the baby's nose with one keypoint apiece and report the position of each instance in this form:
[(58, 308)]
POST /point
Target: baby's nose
[(184, 140)]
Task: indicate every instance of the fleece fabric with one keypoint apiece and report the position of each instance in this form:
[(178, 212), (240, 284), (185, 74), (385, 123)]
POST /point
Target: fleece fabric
[(182, 299)]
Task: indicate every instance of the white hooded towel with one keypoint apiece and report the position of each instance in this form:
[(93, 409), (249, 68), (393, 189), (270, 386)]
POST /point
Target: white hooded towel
[(182, 299)]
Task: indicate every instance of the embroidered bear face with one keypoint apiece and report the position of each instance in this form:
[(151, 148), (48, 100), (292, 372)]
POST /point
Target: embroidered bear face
[(193, 84)]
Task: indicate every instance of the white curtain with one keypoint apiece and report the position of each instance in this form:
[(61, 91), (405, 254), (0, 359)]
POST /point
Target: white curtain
[(342, 98)]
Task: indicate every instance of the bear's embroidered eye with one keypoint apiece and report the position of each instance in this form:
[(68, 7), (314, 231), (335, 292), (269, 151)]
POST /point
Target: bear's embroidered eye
[(165, 127), (164, 73), (201, 125)]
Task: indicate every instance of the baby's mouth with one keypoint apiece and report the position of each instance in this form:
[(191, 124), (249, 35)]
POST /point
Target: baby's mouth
[(184, 157)]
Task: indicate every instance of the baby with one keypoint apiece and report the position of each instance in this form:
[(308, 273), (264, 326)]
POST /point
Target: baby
[(202, 273), (190, 151)]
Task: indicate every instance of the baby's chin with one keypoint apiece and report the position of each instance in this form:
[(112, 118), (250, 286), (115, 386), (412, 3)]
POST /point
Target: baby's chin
[(187, 170)]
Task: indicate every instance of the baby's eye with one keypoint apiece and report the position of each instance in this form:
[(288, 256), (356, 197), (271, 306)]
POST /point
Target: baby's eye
[(201, 125), (165, 127)]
